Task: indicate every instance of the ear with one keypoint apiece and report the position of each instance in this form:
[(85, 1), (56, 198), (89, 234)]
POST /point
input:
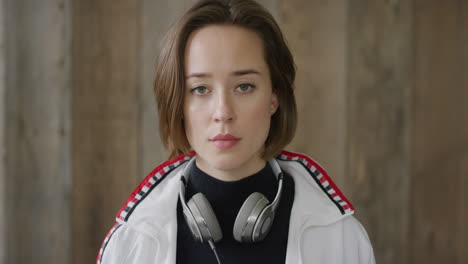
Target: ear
[(274, 103)]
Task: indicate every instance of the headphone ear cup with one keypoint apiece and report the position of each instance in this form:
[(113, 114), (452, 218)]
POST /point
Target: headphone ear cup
[(205, 218), (248, 216)]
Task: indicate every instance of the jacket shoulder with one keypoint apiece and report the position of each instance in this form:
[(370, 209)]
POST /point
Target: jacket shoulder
[(321, 178), (119, 242), (149, 183)]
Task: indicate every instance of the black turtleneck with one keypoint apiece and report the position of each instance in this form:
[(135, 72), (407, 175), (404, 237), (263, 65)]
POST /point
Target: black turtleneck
[(226, 198)]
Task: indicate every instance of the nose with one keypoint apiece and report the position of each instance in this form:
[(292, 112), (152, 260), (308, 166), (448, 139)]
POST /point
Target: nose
[(224, 110)]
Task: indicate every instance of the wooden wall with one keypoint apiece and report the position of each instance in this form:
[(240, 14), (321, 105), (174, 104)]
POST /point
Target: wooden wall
[(379, 52), (382, 97), (105, 116), (316, 32), (2, 132), (37, 132), (439, 133)]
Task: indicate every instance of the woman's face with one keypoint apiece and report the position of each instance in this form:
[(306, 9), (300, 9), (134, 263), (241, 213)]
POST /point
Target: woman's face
[(228, 100)]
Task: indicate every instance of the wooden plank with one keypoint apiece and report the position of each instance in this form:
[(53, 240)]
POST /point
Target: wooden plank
[(379, 53), (37, 135), (105, 117), (157, 17), (462, 243), (316, 33), (439, 139), (462, 226), (2, 133)]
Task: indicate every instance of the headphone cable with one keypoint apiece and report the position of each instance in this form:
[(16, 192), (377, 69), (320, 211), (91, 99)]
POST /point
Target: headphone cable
[(214, 250)]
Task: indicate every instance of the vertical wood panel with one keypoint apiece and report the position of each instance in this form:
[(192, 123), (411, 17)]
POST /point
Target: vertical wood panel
[(316, 33), (439, 138), (38, 186), (157, 17), (462, 221), (379, 52), (2, 132), (462, 243), (105, 117)]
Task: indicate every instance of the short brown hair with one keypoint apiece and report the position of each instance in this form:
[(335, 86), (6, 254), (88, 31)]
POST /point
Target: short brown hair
[(169, 83)]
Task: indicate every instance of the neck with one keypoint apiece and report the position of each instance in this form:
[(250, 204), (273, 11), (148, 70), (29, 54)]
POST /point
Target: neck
[(232, 174)]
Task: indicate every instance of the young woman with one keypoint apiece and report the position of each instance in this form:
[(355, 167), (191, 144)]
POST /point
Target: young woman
[(229, 194)]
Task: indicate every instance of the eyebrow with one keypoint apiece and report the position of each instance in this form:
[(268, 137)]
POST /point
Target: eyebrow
[(235, 73)]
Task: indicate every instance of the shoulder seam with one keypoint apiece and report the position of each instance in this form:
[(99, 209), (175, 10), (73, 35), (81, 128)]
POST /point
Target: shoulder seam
[(149, 183), (322, 179)]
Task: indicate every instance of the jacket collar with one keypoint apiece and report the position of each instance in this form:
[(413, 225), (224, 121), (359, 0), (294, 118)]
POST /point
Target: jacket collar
[(317, 200)]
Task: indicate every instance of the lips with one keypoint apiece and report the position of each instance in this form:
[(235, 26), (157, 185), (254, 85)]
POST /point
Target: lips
[(224, 141), (224, 137)]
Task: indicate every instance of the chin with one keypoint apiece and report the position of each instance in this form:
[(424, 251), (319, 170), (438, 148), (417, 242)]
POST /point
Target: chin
[(226, 162)]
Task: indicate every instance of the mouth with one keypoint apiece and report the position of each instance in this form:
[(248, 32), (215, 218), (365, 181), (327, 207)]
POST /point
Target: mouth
[(224, 141)]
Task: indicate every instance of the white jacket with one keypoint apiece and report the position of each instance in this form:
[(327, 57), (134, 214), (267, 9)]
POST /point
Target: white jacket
[(321, 229)]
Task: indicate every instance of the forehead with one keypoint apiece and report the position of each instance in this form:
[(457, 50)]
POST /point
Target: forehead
[(218, 48)]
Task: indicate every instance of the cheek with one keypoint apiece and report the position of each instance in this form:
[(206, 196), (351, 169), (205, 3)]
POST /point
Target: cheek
[(194, 120), (258, 118), (188, 121)]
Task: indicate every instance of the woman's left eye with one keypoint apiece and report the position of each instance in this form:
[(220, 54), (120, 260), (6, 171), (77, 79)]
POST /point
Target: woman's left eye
[(245, 87)]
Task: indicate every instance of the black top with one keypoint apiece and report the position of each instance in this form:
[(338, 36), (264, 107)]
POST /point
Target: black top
[(226, 198)]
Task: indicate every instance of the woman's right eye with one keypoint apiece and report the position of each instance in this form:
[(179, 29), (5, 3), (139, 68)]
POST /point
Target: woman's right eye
[(200, 90)]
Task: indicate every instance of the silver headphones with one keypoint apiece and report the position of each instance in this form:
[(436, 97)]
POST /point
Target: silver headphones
[(253, 221)]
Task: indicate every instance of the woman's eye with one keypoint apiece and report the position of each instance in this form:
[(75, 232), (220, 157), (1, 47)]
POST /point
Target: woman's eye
[(199, 90), (245, 87)]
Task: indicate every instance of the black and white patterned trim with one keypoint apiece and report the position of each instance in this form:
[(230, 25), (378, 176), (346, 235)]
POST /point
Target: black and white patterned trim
[(106, 241), (148, 184), (322, 179)]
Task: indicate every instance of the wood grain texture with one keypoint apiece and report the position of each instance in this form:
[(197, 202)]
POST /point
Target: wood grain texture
[(462, 243), (462, 221), (316, 33), (439, 136), (378, 78), (156, 19), (37, 135), (106, 126), (3, 222)]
